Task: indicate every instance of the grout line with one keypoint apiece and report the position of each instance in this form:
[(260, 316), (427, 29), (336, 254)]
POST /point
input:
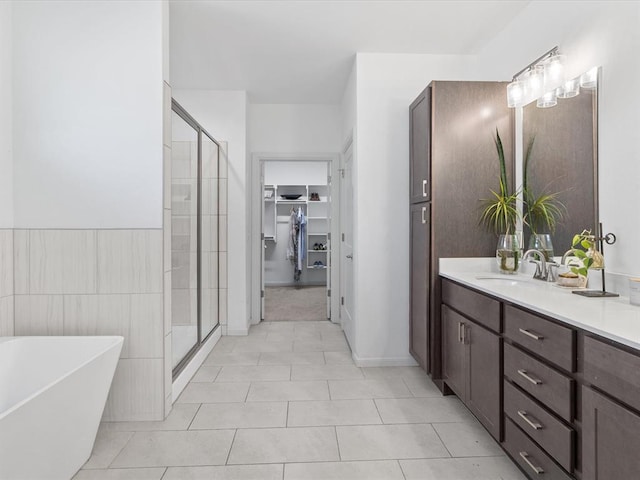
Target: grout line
[(378, 410), (226, 462), (120, 450), (441, 441), (335, 431), (166, 469), (194, 417), (286, 423), (401, 470)]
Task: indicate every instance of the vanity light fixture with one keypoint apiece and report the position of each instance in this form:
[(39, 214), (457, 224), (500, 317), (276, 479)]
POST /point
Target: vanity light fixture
[(539, 81), (589, 79)]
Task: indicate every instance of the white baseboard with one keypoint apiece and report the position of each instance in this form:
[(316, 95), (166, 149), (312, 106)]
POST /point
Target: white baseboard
[(384, 361), (190, 370)]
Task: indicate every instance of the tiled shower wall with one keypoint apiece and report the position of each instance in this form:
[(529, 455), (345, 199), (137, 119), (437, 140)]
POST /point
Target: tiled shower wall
[(6, 282), (98, 282)]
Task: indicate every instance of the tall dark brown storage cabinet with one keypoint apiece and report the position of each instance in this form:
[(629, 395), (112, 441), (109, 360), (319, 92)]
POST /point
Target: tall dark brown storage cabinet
[(453, 165)]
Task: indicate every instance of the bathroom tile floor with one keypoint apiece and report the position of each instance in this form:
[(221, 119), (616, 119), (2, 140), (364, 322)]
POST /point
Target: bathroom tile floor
[(287, 403)]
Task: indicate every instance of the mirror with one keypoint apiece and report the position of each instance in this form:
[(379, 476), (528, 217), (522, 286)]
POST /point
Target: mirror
[(563, 160)]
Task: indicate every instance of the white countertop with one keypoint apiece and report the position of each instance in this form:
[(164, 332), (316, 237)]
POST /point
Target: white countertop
[(612, 318)]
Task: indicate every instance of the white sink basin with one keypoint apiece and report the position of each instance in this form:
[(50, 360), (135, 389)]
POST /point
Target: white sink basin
[(508, 280)]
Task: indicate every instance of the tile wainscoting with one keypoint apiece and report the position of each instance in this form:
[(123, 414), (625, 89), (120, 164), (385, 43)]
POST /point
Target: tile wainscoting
[(6, 282), (99, 282)]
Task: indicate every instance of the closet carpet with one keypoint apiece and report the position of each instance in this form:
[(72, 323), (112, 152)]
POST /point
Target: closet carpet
[(282, 304)]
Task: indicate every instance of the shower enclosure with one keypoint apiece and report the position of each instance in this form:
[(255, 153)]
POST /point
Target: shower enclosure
[(195, 159)]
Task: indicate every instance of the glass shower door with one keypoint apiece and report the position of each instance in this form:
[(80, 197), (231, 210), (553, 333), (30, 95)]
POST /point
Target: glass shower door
[(184, 244), (209, 235)]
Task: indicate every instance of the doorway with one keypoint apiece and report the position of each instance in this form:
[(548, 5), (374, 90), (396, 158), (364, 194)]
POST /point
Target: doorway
[(295, 272)]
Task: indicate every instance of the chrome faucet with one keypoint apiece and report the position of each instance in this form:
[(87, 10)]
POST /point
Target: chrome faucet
[(541, 264)]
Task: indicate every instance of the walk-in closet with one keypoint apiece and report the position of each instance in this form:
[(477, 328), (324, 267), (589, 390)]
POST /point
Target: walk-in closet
[(296, 221)]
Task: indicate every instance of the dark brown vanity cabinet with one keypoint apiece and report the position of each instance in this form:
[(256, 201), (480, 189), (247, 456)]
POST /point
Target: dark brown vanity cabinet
[(471, 360), (569, 401), (452, 163), (610, 438), (611, 416), (419, 294), (420, 144)]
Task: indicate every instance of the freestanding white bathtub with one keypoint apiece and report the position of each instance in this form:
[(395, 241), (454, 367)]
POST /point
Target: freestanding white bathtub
[(52, 394)]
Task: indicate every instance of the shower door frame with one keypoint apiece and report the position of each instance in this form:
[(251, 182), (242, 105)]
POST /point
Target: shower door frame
[(192, 122)]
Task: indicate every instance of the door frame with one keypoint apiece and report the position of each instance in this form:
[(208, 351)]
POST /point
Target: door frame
[(258, 159)]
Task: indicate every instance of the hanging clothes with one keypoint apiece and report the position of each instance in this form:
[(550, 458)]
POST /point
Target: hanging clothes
[(292, 248), (293, 245), (302, 238)]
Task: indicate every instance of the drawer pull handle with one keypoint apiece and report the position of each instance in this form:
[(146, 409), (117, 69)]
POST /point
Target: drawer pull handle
[(531, 334), (533, 424), (525, 457), (424, 188), (535, 381)]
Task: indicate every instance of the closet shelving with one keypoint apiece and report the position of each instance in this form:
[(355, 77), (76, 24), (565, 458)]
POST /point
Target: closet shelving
[(314, 202)]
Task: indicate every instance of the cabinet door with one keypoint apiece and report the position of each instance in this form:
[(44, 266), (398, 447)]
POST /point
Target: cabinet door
[(419, 290), (484, 391), (454, 369), (420, 147), (610, 439)]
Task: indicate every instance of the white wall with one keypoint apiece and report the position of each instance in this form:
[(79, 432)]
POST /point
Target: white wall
[(87, 114), (294, 128), (224, 115), (596, 33), (295, 173), (386, 86), (6, 122)]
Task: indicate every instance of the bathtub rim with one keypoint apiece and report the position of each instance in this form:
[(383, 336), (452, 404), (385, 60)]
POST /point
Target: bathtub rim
[(118, 342)]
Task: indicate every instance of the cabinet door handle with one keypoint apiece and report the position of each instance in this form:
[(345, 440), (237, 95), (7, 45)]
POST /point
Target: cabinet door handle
[(464, 333), (525, 457), (424, 213), (459, 332), (524, 374), (424, 188), (531, 334), (532, 423)]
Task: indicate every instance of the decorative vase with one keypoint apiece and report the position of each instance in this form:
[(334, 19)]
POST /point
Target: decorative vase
[(509, 253), (542, 243)]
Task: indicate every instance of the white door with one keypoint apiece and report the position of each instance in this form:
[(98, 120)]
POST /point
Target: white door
[(346, 252)]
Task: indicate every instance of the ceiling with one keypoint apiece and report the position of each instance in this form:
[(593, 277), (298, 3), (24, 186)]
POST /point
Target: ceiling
[(302, 51)]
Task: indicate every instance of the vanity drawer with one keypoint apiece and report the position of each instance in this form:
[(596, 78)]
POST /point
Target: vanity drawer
[(612, 370), (550, 387), (482, 309), (550, 341), (529, 456), (548, 432)]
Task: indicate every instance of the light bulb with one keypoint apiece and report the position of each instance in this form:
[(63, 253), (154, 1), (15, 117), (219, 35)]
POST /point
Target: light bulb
[(534, 79), (516, 94), (569, 89), (553, 72), (547, 100)]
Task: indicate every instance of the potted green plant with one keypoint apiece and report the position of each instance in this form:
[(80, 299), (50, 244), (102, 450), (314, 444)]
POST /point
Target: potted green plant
[(585, 256), (500, 214), (542, 213)]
